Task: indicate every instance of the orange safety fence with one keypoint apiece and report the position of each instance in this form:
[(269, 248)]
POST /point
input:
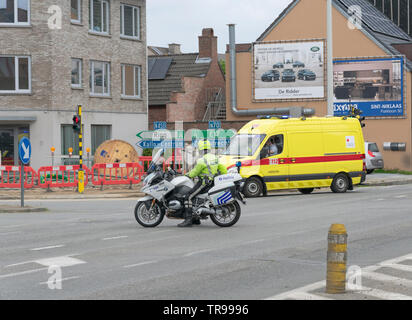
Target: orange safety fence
[(10, 177), (61, 176), (117, 173)]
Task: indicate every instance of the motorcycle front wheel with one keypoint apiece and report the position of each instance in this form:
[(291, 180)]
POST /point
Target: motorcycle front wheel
[(148, 218), (229, 217)]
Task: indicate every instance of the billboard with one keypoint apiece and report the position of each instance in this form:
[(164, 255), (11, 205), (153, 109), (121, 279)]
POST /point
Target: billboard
[(373, 85), (288, 70)]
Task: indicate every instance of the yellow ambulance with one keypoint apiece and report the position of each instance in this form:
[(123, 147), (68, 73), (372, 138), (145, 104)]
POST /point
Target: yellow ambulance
[(298, 153)]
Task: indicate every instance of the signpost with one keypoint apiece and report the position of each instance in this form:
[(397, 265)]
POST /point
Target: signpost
[(24, 155)]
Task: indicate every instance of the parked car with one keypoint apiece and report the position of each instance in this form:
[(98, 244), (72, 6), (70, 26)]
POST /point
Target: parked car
[(374, 159), (306, 74), (278, 65), (288, 75), (298, 64), (271, 75)]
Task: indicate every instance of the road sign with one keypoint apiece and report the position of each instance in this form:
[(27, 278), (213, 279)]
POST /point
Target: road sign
[(25, 150), (166, 144), (215, 124), (157, 125)]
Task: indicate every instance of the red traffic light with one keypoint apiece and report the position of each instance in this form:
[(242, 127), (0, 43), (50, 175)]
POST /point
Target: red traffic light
[(76, 123)]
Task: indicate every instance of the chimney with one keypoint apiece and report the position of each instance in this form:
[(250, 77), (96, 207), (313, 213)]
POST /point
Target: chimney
[(208, 44), (174, 48)]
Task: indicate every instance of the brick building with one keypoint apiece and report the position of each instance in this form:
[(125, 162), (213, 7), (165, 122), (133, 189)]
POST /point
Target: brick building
[(187, 86), (69, 53)]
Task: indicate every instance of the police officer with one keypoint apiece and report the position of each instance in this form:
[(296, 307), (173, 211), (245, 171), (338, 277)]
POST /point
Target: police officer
[(207, 167)]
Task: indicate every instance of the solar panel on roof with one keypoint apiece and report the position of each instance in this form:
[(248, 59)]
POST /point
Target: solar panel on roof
[(376, 20), (158, 68)]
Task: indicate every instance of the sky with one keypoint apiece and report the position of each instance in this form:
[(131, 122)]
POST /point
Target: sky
[(182, 21)]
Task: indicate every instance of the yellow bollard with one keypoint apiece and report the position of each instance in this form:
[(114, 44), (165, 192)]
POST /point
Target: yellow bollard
[(336, 259)]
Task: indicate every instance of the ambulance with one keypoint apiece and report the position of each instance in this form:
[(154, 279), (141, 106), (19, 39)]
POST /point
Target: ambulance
[(298, 153)]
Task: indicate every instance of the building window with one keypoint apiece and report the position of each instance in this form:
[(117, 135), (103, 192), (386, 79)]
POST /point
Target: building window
[(76, 11), (99, 16), (14, 12), (15, 74), (131, 81), (77, 73), (130, 21), (100, 78), (100, 134)]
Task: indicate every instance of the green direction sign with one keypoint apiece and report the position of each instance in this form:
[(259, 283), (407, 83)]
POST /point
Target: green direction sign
[(210, 134)]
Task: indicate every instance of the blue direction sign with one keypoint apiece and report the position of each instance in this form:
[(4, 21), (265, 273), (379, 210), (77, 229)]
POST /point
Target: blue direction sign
[(166, 144), (159, 125), (25, 150), (215, 124)]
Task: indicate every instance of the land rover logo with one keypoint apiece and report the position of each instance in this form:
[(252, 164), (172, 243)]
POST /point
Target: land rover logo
[(315, 49)]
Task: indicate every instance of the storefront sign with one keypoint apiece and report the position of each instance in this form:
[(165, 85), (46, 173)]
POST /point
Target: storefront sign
[(375, 86)]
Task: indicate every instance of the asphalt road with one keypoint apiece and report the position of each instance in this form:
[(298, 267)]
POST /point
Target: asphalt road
[(278, 245)]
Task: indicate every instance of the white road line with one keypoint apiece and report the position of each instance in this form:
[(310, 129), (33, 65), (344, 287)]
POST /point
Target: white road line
[(310, 287), (140, 264), (400, 197), (115, 238), (386, 278), (63, 261), (21, 273), (253, 241), (11, 232), (61, 280), (47, 248), (385, 295), (306, 296), (401, 267), (197, 252)]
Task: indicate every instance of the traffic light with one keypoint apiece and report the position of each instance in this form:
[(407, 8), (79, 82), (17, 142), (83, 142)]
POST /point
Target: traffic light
[(76, 123)]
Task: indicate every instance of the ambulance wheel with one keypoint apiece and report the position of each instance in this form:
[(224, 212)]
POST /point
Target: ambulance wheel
[(340, 183), (306, 190), (253, 187)]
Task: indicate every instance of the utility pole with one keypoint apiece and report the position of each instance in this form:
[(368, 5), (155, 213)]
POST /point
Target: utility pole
[(81, 172), (329, 56)]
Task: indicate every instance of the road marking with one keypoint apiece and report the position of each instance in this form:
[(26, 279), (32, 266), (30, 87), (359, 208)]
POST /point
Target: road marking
[(310, 287), (401, 267), (47, 248), (369, 272), (11, 232), (400, 197), (197, 252), (59, 281), (254, 241), (63, 261), (21, 273), (307, 296), (385, 295), (386, 278), (140, 264), (115, 238)]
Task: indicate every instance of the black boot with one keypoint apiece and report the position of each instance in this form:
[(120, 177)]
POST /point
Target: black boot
[(196, 221), (188, 219)]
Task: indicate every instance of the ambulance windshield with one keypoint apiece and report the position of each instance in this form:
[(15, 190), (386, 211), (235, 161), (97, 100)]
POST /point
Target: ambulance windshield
[(244, 144)]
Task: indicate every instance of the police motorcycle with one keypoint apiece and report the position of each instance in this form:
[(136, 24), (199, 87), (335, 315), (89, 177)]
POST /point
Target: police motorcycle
[(167, 191)]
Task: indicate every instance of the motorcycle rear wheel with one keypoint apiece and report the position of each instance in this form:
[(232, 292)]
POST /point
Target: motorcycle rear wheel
[(148, 218), (227, 220)]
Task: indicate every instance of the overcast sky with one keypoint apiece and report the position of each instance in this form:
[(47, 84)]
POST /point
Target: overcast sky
[(181, 21)]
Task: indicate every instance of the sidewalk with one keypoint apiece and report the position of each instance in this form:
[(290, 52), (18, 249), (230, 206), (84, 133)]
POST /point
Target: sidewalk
[(387, 179)]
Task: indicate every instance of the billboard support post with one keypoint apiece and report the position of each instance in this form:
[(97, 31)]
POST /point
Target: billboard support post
[(330, 56)]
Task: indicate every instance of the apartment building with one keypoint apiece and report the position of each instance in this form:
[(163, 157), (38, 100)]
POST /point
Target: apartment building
[(58, 54)]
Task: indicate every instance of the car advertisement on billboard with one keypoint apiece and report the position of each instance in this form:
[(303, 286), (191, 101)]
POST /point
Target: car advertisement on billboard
[(373, 85), (292, 70)]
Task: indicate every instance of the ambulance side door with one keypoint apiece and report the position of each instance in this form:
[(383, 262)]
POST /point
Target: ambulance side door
[(275, 168)]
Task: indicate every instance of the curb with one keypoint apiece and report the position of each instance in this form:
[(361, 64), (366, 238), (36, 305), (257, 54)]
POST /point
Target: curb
[(387, 183), (22, 210)]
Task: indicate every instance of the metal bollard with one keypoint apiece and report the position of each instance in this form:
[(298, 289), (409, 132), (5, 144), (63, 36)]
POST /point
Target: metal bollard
[(336, 259)]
